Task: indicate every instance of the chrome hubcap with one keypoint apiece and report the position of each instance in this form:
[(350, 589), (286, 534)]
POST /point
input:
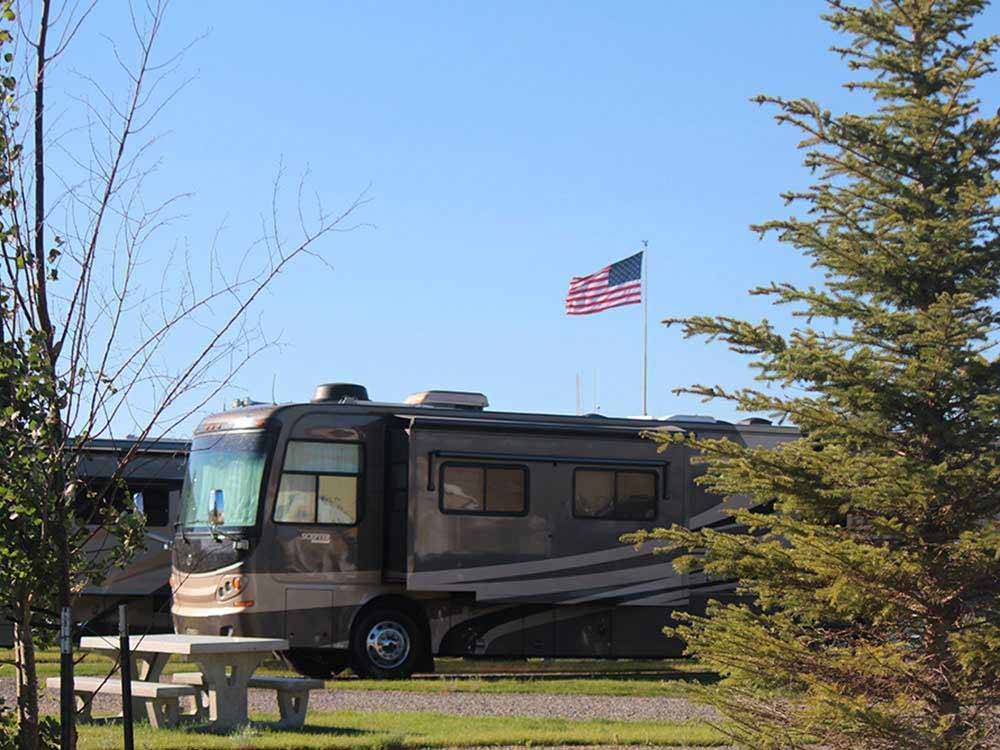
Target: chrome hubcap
[(388, 644)]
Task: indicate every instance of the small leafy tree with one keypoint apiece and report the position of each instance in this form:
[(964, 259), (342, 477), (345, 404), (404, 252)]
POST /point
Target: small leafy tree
[(872, 609), (28, 563)]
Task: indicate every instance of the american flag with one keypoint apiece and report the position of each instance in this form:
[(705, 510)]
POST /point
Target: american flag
[(613, 286)]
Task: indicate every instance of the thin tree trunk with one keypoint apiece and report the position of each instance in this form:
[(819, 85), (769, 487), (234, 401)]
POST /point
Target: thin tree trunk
[(27, 681), (41, 267), (57, 483)]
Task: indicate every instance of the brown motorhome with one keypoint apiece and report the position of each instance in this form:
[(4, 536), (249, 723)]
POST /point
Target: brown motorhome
[(378, 535), (155, 474), (153, 478)]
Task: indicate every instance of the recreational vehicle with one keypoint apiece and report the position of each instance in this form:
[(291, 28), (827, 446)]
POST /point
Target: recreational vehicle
[(152, 480), (378, 535)]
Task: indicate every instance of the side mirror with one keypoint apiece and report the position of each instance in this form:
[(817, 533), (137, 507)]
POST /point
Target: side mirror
[(137, 502), (216, 517)]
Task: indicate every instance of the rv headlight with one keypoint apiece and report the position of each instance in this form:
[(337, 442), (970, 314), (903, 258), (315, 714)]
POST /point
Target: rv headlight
[(229, 587)]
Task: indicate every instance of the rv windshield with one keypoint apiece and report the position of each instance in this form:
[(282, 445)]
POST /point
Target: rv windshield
[(231, 464)]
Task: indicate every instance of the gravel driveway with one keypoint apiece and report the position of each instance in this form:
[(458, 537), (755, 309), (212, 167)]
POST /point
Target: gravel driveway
[(623, 708)]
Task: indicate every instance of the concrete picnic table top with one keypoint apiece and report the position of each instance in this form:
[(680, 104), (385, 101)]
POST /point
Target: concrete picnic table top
[(190, 645)]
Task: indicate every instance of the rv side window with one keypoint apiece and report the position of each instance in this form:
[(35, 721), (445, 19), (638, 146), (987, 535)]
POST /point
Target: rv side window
[(100, 495), (155, 504), (319, 483), (620, 495), (481, 488)]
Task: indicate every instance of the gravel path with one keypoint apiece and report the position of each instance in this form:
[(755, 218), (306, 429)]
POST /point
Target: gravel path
[(622, 708)]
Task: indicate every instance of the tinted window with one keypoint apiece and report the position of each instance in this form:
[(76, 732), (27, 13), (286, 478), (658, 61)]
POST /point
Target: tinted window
[(104, 497), (319, 483), (483, 489), (505, 490), (595, 493), (463, 488), (155, 504), (617, 494), (338, 500), (635, 495), (296, 499), (323, 458)]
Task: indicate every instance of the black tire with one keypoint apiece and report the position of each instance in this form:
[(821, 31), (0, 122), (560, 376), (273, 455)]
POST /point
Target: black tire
[(318, 663), (387, 644)]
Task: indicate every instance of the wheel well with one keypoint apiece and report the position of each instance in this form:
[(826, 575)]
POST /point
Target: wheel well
[(404, 604)]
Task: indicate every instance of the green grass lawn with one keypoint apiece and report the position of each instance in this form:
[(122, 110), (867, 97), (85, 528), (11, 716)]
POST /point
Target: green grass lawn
[(355, 729), (671, 678), (451, 665), (634, 686)]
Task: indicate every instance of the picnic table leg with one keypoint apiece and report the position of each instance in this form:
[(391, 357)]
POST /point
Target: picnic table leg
[(226, 678), (164, 713), (147, 667), (84, 707), (292, 705)]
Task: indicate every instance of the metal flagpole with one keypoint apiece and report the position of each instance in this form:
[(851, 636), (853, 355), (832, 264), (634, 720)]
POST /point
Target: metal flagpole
[(645, 323)]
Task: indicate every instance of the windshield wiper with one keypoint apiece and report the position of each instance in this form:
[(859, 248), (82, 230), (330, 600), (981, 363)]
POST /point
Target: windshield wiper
[(218, 534), (183, 535), (215, 531)]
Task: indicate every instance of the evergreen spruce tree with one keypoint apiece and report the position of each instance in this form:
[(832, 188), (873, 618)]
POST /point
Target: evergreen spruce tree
[(872, 615)]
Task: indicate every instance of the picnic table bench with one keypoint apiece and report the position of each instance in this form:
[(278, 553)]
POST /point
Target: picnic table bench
[(227, 663), (292, 693), (162, 698)]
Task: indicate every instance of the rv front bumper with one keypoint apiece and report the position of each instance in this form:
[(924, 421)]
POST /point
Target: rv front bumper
[(217, 603)]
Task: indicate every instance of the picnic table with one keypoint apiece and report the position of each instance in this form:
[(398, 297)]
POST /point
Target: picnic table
[(227, 663)]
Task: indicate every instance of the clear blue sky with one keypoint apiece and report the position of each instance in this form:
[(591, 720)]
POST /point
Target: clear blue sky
[(508, 146)]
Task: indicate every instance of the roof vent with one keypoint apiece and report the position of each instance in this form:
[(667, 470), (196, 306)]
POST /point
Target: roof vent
[(691, 418), (243, 403), (453, 399), (339, 392), (755, 420)]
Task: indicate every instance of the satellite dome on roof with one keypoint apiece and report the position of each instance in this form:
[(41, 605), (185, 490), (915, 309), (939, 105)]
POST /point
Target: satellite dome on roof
[(336, 392)]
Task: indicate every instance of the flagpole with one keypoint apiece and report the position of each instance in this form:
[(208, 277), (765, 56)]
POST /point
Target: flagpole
[(645, 323)]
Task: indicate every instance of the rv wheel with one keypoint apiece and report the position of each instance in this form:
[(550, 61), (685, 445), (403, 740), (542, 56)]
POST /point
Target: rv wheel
[(386, 644), (318, 663)]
